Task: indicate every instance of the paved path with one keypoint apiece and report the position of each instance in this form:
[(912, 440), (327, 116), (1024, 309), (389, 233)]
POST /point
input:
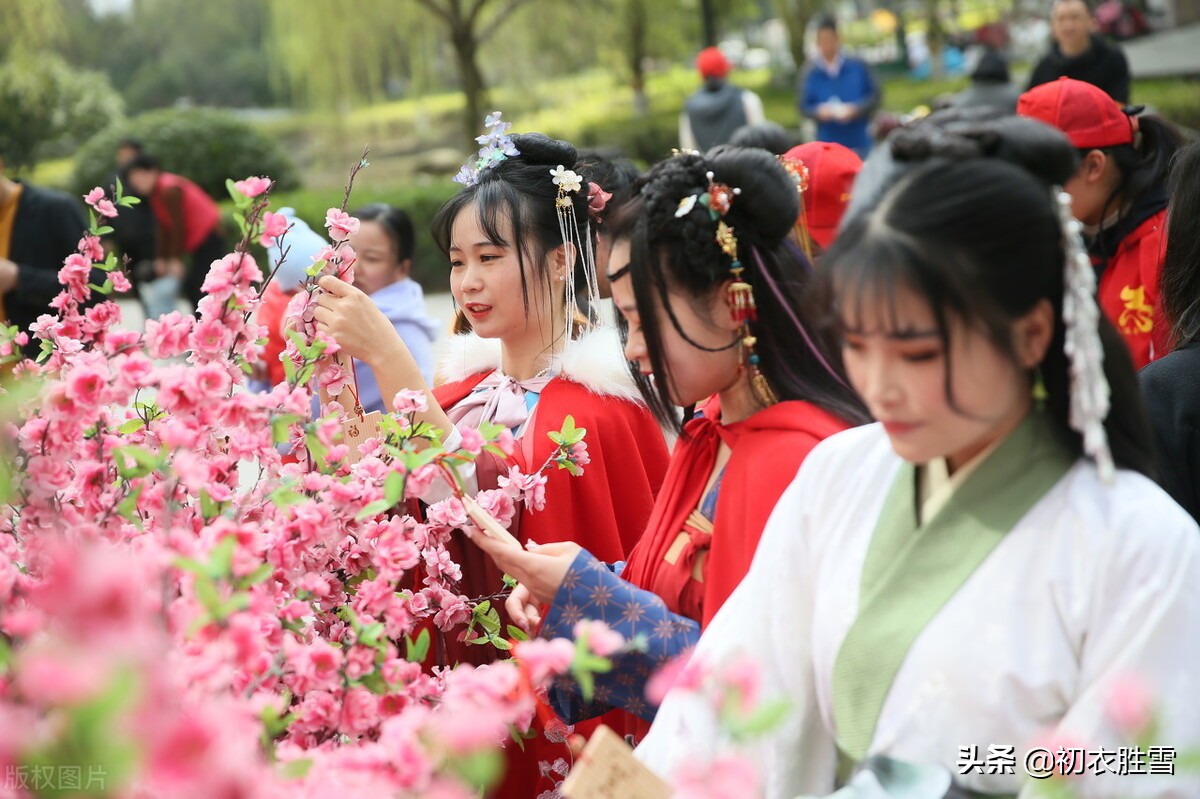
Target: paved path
[(1167, 54)]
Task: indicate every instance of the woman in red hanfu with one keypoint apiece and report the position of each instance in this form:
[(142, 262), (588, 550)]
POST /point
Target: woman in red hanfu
[(518, 239), (713, 292)]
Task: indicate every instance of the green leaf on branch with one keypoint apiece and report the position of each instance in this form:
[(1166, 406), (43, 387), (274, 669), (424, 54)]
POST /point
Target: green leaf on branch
[(416, 651), (761, 721), (374, 509), (131, 426), (128, 507), (569, 434), (222, 557), (516, 633), (393, 487), (281, 425), (104, 230), (296, 769), (317, 450), (286, 496), (481, 768), (143, 462), (255, 577), (208, 595), (235, 603), (209, 507), (375, 683)]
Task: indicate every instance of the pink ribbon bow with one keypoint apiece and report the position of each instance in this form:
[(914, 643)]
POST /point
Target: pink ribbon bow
[(498, 398)]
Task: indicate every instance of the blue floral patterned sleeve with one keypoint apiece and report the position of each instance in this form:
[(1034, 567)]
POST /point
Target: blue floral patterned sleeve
[(592, 590)]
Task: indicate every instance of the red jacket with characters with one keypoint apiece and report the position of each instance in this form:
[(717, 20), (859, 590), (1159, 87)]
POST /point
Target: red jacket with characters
[(605, 509), (1129, 290)]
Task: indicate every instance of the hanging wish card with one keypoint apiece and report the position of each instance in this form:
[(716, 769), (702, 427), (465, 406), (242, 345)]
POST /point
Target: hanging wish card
[(357, 426), (607, 768)]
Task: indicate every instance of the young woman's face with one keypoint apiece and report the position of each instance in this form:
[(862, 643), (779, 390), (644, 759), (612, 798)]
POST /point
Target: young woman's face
[(378, 262), (695, 374), (485, 279), (895, 360)]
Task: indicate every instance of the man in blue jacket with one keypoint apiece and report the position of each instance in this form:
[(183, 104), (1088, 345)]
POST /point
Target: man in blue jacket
[(839, 92)]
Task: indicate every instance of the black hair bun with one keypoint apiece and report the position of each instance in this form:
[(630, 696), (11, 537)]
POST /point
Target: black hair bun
[(769, 203), (539, 149), (1040, 150)]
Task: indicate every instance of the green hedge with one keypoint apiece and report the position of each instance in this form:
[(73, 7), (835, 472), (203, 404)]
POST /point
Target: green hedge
[(421, 201), (202, 144)]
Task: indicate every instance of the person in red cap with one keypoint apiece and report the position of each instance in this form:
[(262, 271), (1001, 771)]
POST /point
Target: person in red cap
[(1120, 195), (714, 112), (827, 172)]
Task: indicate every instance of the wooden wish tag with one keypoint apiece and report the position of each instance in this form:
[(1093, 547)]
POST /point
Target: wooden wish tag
[(607, 769), (357, 426)]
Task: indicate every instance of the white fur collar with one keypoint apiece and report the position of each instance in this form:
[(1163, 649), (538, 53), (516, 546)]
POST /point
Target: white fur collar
[(594, 360)]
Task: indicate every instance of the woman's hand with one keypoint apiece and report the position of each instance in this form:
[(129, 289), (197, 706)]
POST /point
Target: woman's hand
[(522, 609), (539, 568), (351, 318)]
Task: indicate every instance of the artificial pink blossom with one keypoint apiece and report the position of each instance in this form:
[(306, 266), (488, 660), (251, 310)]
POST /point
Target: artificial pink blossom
[(680, 672), (601, 639), (253, 186), (726, 777), (472, 441), (91, 248), (409, 401), (544, 659), (499, 504), (578, 454), (274, 226), (340, 224), (1130, 704)]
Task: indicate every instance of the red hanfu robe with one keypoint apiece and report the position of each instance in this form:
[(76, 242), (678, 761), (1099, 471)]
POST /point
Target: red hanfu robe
[(604, 510), (766, 452)]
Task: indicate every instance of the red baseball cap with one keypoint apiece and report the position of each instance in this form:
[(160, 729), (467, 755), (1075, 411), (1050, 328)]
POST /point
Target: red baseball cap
[(832, 169), (712, 63), (1091, 119)]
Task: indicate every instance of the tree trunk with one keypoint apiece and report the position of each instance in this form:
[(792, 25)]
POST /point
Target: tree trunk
[(638, 29), (935, 38), (708, 17), (796, 15), (466, 50)]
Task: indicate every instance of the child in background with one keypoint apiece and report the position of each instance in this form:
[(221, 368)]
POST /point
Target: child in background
[(384, 245)]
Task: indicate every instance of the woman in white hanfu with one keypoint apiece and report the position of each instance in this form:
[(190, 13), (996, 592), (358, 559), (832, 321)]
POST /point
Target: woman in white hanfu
[(989, 570)]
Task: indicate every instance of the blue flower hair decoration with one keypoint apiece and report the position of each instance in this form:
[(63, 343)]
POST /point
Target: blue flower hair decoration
[(495, 146)]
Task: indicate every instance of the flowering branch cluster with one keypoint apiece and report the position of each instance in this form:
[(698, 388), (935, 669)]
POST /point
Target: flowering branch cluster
[(186, 607)]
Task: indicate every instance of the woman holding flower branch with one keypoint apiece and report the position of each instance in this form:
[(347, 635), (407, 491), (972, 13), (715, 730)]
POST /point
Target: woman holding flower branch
[(712, 293), (520, 241)]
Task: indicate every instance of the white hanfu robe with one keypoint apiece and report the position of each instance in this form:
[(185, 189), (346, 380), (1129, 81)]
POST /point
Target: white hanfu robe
[(1094, 583)]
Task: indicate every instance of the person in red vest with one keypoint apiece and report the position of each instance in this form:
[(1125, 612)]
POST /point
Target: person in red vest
[(188, 221), (1120, 195)]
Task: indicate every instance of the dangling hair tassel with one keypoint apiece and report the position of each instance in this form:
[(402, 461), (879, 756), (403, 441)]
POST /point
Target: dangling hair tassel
[(741, 298)]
